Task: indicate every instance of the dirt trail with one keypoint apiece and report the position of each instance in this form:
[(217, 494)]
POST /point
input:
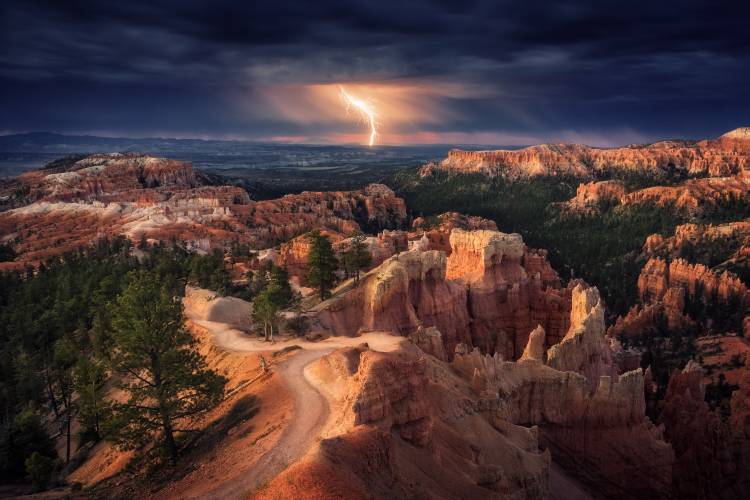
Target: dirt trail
[(310, 414), (310, 406)]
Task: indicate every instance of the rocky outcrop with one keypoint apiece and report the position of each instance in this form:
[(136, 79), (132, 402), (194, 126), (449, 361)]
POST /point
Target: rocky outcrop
[(584, 349), (592, 197), (406, 291), (534, 350), (658, 277), (108, 177), (511, 290), (694, 196), (725, 246), (404, 425), (727, 155), (205, 305), (491, 292), (435, 231), (603, 437), (741, 133), (430, 341)]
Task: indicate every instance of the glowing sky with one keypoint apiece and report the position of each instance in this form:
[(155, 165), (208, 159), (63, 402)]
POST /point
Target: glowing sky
[(476, 71)]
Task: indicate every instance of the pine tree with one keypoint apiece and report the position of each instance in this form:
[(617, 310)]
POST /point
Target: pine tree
[(90, 377), (356, 257), (264, 312), (276, 295), (63, 360), (322, 263), (166, 379)]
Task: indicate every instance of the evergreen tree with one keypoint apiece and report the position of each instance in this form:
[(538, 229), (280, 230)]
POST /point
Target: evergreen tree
[(357, 256), (25, 436), (166, 379), (322, 263), (89, 379), (64, 359), (264, 312), (279, 288), (276, 295)]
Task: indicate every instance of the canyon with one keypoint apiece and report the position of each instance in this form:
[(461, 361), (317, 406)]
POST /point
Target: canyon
[(461, 365)]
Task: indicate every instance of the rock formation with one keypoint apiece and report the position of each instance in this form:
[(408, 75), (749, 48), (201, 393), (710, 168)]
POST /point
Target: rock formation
[(704, 465), (584, 408), (727, 155), (490, 292), (591, 197), (694, 196), (293, 255), (406, 426), (138, 196), (657, 279), (584, 349)]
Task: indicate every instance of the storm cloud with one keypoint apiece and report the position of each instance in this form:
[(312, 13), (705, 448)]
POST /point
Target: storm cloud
[(491, 72)]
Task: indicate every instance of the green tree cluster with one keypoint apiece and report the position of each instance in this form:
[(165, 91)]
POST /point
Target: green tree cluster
[(63, 340)]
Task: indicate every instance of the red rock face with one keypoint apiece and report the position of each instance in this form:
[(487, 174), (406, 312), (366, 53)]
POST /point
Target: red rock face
[(703, 468), (591, 196), (720, 157), (657, 279), (491, 292), (692, 196), (139, 196), (603, 436)]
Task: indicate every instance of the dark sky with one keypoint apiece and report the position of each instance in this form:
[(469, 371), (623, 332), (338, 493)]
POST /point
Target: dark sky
[(491, 72)]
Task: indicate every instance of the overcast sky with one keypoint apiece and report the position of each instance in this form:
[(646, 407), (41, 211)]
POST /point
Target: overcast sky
[(488, 72)]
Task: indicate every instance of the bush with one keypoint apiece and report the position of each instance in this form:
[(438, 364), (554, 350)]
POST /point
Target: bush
[(25, 438), (39, 469), (298, 325)]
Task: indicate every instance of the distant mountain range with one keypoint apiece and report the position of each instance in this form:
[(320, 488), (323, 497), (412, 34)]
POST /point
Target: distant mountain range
[(40, 142), (50, 142)]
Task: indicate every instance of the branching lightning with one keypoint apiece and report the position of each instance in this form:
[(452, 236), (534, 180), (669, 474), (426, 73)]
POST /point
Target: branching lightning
[(364, 109)]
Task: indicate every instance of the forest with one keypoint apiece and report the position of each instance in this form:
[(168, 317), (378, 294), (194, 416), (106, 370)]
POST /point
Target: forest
[(73, 329)]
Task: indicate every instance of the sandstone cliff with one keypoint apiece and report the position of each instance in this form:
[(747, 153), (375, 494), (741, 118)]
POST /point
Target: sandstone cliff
[(706, 465), (727, 155), (491, 292)]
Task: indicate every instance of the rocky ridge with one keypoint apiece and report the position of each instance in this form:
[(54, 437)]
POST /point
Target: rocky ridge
[(727, 155), (490, 292)]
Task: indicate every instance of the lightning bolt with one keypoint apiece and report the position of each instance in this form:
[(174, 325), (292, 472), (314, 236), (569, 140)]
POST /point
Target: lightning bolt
[(364, 109)]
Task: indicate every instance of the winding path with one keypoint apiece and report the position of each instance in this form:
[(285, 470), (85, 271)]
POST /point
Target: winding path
[(310, 406), (310, 414)]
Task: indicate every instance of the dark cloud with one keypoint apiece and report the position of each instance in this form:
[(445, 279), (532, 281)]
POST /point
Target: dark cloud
[(550, 70)]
